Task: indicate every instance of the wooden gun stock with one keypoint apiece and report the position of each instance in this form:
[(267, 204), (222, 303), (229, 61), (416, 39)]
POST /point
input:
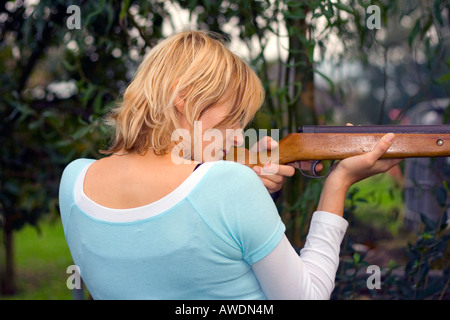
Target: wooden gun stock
[(340, 142)]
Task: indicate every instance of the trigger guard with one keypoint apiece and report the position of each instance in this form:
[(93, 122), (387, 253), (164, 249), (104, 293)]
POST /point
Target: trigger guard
[(315, 175), (313, 168)]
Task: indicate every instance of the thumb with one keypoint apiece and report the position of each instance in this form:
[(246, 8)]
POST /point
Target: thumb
[(382, 146)]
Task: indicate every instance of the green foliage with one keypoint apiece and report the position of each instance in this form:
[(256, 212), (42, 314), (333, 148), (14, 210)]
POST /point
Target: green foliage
[(424, 275)]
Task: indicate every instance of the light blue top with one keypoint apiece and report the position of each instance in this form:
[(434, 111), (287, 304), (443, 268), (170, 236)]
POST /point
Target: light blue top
[(198, 242)]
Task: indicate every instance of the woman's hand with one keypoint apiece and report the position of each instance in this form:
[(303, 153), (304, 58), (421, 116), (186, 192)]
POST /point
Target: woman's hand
[(351, 170), (272, 175), (357, 168)]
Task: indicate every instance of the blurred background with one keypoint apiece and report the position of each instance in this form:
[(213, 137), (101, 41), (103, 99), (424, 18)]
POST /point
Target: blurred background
[(64, 64)]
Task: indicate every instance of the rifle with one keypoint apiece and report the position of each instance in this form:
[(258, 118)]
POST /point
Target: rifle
[(316, 143)]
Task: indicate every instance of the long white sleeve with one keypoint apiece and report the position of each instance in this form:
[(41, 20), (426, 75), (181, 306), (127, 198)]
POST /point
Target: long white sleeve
[(283, 274)]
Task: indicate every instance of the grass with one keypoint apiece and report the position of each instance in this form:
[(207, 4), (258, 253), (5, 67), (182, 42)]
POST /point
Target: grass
[(377, 220), (41, 259), (379, 202)]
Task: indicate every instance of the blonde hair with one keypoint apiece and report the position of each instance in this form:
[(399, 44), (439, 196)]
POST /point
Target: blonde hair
[(195, 66)]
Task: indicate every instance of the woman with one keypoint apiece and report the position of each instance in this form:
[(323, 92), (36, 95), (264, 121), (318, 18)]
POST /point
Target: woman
[(140, 224)]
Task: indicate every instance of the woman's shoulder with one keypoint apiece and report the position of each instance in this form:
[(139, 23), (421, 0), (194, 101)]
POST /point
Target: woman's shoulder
[(76, 166), (72, 170), (231, 176), (67, 184), (231, 170), (81, 162)]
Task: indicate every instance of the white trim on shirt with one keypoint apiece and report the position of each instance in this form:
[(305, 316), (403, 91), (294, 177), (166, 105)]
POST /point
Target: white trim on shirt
[(100, 212)]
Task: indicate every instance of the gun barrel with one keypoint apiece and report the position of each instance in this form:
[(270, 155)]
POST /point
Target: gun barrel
[(336, 146), (423, 129), (340, 142)]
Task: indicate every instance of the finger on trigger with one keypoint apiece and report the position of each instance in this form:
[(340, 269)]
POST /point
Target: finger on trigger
[(269, 169)]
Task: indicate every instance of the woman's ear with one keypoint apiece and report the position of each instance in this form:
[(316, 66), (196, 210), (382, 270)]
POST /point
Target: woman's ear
[(178, 101), (179, 104)]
